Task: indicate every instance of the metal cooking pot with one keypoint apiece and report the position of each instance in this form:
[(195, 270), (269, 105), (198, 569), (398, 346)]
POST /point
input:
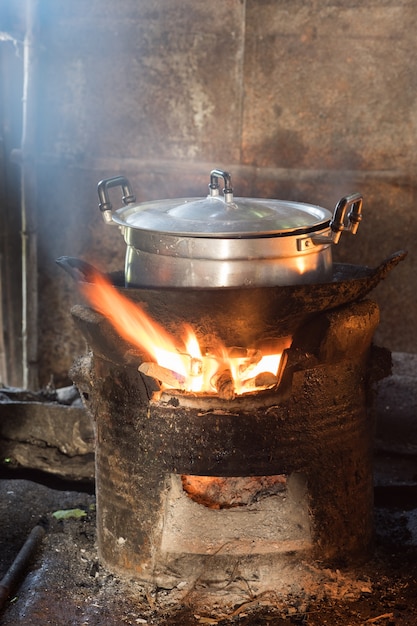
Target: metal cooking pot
[(222, 241)]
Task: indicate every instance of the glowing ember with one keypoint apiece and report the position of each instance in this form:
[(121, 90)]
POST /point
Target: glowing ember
[(182, 364)]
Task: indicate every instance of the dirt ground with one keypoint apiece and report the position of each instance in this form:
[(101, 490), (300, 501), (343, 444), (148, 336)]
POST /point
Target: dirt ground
[(66, 584)]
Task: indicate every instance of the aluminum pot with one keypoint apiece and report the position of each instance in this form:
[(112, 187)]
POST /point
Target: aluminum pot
[(222, 241)]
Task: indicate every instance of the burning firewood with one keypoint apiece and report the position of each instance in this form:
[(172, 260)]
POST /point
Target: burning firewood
[(250, 357), (264, 380), (196, 366), (222, 381), (165, 375), (193, 364)]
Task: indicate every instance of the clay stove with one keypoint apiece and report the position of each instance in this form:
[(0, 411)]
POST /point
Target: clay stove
[(296, 457)]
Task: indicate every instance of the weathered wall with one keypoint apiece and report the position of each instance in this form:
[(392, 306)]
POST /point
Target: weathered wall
[(303, 100)]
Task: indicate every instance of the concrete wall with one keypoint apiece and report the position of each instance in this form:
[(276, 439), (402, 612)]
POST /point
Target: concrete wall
[(303, 100)]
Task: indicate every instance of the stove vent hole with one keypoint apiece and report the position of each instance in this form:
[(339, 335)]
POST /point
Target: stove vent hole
[(216, 492)]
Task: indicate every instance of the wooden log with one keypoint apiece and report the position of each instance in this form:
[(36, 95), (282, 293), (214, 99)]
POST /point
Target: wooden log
[(196, 367), (165, 375), (264, 380), (249, 356), (223, 382)]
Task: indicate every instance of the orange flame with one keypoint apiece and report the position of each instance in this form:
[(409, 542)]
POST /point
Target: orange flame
[(130, 321), (185, 359)]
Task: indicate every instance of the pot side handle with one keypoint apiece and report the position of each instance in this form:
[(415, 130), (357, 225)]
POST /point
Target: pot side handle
[(105, 205), (347, 216)]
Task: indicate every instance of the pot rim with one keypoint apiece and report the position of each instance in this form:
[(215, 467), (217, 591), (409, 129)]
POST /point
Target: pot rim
[(172, 217)]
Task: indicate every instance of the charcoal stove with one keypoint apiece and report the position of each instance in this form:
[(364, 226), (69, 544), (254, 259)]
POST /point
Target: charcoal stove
[(302, 449)]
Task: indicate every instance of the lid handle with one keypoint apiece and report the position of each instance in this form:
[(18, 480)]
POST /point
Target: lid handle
[(214, 185)]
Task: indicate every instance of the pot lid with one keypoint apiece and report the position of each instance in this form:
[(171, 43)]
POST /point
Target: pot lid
[(223, 215)]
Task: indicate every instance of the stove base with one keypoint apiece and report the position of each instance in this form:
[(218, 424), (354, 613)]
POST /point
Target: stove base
[(316, 429)]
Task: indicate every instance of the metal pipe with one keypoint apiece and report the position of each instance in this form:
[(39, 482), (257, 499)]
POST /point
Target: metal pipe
[(11, 579), (28, 205)]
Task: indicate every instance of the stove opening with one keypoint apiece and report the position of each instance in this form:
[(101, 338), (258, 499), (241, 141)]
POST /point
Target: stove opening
[(203, 365), (236, 516)]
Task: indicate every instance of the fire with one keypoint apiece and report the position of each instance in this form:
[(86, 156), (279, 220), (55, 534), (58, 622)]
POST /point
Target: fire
[(184, 364)]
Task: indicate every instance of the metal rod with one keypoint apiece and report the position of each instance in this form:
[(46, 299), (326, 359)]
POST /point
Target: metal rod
[(3, 359), (28, 205), (11, 579)]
